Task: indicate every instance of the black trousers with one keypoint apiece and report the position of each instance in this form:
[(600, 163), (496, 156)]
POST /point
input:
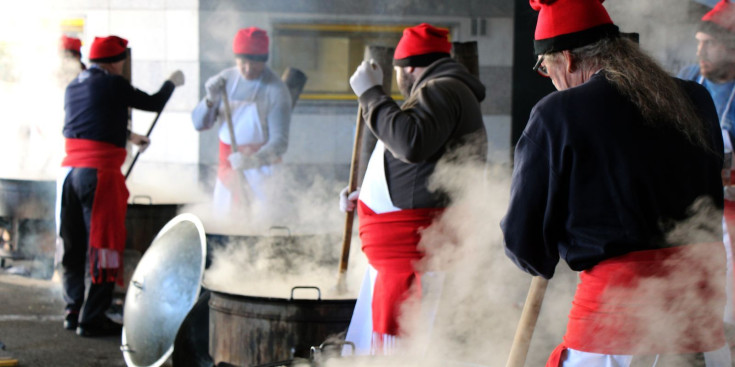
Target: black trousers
[(89, 300)]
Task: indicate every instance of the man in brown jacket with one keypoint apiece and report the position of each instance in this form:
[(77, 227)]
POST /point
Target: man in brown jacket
[(441, 113)]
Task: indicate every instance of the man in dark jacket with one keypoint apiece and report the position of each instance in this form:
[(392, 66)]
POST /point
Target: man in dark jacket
[(441, 114), (93, 199), (607, 173)]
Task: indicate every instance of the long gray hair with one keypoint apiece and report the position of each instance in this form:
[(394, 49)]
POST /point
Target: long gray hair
[(659, 98)]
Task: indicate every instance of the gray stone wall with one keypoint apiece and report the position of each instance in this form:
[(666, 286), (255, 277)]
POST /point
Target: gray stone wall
[(324, 121), (478, 8)]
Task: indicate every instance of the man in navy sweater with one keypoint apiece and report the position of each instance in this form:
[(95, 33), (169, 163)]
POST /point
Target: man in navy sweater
[(609, 174), (93, 199)]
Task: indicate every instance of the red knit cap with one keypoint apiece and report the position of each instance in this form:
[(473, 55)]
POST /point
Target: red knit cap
[(720, 21), (108, 49), (568, 24), (70, 44), (251, 43), (723, 15), (421, 45)]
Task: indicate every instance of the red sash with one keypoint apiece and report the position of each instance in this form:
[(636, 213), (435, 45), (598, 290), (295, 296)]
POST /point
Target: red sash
[(390, 242), (107, 224), (665, 301)]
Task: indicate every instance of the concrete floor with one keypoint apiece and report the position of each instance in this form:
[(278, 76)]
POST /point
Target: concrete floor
[(31, 318), (31, 332)]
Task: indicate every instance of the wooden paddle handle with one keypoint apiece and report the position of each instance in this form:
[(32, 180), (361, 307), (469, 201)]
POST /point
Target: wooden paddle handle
[(239, 189), (527, 323), (148, 134), (363, 141), (230, 126), (351, 187)]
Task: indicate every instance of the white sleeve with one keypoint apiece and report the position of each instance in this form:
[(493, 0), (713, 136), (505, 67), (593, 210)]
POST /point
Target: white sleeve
[(279, 123), (204, 117)]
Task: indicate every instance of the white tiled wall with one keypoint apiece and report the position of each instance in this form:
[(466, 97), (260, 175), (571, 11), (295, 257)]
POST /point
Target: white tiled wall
[(138, 4), (147, 42), (173, 139), (163, 37), (182, 35)]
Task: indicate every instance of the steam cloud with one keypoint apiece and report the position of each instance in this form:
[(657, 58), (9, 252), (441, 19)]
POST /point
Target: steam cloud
[(300, 247), (32, 91)]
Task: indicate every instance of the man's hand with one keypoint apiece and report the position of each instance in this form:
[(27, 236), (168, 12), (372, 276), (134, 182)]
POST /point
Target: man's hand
[(214, 86), (177, 77), (367, 75), (347, 202), (240, 161), (141, 141)]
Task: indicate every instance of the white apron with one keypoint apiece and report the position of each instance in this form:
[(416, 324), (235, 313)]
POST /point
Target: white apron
[(249, 130)]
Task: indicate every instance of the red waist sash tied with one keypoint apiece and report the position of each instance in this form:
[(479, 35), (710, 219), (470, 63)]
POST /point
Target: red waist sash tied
[(107, 224), (664, 301), (390, 242)]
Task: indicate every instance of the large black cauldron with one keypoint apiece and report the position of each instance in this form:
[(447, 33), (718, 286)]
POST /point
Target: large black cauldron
[(248, 330)]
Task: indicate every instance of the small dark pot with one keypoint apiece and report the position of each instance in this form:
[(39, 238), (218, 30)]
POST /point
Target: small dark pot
[(144, 220)]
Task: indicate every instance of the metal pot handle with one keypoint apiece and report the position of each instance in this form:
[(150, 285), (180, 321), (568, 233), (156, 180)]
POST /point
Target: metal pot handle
[(126, 348), (279, 228), (315, 352), (150, 199), (137, 284), (318, 291)]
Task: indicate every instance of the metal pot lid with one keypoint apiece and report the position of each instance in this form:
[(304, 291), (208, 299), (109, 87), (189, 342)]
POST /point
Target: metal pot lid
[(162, 290)]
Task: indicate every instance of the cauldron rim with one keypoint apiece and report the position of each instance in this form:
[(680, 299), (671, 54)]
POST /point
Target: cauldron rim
[(47, 180), (266, 234), (277, 299)]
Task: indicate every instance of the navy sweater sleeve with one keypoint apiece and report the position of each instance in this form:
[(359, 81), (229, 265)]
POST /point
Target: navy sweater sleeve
[(140, 100), (96, 106), (532, 206)]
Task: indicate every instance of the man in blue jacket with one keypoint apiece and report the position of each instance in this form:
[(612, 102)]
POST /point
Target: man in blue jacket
[(715, 70)]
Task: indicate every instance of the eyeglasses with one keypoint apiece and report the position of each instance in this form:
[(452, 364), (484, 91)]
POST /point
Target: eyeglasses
[(541, 69)]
